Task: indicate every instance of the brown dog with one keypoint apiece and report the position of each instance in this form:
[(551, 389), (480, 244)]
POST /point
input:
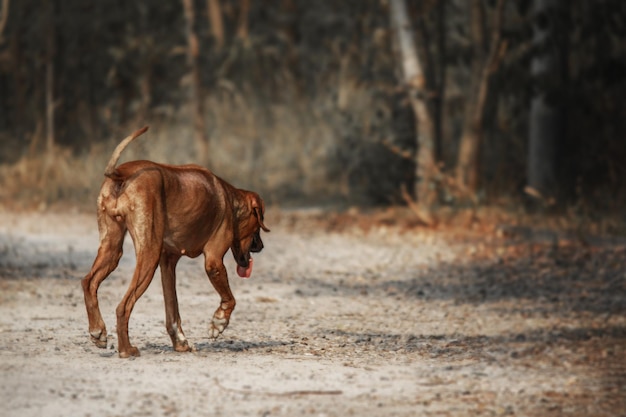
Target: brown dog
[(170, 211)]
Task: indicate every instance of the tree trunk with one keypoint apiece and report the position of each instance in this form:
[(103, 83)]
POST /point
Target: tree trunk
[(197, 105), (216, 21), (242, 23), (434, 65), (413, 78), (546, 124), (50, 53), (483, 66), (440, 84), (4, 18)]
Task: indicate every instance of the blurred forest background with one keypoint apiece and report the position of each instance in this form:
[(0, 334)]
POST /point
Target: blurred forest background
[(430, 103)]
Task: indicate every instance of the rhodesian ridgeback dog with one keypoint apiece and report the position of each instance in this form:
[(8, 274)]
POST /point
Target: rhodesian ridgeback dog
[(170, 212)]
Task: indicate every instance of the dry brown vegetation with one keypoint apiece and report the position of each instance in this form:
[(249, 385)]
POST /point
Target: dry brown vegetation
[(303, 100), (290, 152)]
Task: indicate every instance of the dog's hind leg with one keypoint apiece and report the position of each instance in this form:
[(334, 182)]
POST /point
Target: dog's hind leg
[(109, 253), (172, 315), (147, 261), (145, 221)]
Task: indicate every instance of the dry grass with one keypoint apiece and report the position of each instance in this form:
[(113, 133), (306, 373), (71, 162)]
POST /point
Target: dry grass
[(280, 160), (38, 180), (285, 148)]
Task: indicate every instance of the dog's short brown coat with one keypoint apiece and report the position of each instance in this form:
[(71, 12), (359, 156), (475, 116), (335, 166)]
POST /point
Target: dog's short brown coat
[(169, 211)]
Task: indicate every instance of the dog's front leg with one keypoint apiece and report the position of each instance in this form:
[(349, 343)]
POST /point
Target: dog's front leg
[(217, 275)]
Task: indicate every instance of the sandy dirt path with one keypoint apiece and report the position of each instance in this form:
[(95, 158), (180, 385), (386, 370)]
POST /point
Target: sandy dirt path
[(367, 323)]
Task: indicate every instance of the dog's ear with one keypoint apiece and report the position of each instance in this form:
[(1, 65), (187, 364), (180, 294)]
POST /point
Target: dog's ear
[(259, 217), (259, 208)]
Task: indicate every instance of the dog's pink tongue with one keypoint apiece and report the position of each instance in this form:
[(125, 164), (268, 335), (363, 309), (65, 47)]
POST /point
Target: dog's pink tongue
[(245, 272)]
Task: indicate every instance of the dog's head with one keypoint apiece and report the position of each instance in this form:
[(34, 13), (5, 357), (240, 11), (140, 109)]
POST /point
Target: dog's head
[(247, 236)]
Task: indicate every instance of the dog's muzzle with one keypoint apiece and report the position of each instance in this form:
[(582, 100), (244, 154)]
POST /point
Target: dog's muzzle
[(257, 244)]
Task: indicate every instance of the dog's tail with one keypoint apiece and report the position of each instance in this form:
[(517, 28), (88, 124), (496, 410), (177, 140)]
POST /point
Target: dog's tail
[(110, 169)]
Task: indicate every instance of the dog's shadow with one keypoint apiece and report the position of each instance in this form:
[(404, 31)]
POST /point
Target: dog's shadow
[(218, 346)]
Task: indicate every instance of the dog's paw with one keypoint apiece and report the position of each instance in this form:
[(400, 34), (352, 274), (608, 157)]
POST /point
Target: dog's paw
[(184, 346), (132, 351), (99, 338), (179, 342), (217, 327)]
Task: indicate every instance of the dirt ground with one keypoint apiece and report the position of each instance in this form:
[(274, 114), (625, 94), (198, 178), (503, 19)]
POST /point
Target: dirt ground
[(374, 320)]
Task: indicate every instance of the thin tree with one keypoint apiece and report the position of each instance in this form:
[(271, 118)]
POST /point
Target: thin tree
[(242, 22), (197, 102), (440, 83), (546, 124), (414, 80), (4, 18), (484, 63), (216, 21), (50, 54)]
